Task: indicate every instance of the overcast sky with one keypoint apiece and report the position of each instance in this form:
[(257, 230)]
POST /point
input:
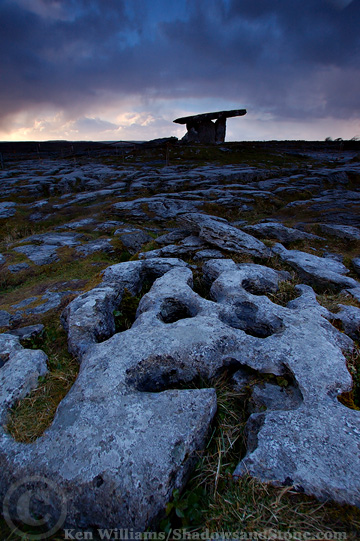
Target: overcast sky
[(125, 69)]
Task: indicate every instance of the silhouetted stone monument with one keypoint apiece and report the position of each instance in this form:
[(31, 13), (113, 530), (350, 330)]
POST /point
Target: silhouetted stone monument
[(202, 129)]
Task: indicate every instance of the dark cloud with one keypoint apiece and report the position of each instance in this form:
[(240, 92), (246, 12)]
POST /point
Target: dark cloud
[(289, 58)]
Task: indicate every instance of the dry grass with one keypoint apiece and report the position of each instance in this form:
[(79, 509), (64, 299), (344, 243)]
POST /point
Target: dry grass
[(285, 293), (332, 300)]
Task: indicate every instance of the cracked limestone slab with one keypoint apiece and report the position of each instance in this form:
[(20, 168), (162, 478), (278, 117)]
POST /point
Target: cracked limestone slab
[(349, 317), (279, 231), (218, 232), (320, 271), (356, 264), (7, 209), (162, 207), (342, 231), (315, 445), (20, 370), (44, 251), (122, 440), (186, 247)]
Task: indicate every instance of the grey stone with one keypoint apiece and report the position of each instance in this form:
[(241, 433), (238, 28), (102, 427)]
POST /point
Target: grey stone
[(323, 272), (89, 318), (356, 264), (159, 207), (26, 333), (239, 223), (41, 203), (343, 231), (173, 236), (5, 318), (2, 259), (335, 257), (18, 267), (354, 292), (50, 301), (273, 397), (38, 216), (134, 240), (44, 251), (208, 254), (78, 224), (241, 379), (19, 372), (99, 245), (220, 233), (186, 248), (40, 255), (154, 437), (120, 404), (84, 198), (7, 209), (109, 226), (25, 302), (201, 129), (255, 279), (278, 231), (349, 317), (55, 239)]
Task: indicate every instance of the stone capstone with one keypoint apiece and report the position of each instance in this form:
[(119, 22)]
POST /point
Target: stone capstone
[(202, 129), (43, 248)]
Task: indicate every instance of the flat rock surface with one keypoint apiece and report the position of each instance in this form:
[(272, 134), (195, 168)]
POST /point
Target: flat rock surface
[(165, 228), (223, 235), (323, 271), (280, 232), (342, 231)]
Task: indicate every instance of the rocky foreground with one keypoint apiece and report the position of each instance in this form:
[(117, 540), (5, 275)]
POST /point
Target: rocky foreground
[(216, 235)]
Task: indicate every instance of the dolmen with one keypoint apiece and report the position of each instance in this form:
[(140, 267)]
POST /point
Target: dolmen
[(202, 129)]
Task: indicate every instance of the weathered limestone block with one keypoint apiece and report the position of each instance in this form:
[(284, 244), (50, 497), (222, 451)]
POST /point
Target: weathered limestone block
[(272, 230), (89, 318), (160, 207), (19, 371), (133, 239), (324, 272), (219, 232), (122, 441), (342, 231), (349, 318), (356, 264)]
